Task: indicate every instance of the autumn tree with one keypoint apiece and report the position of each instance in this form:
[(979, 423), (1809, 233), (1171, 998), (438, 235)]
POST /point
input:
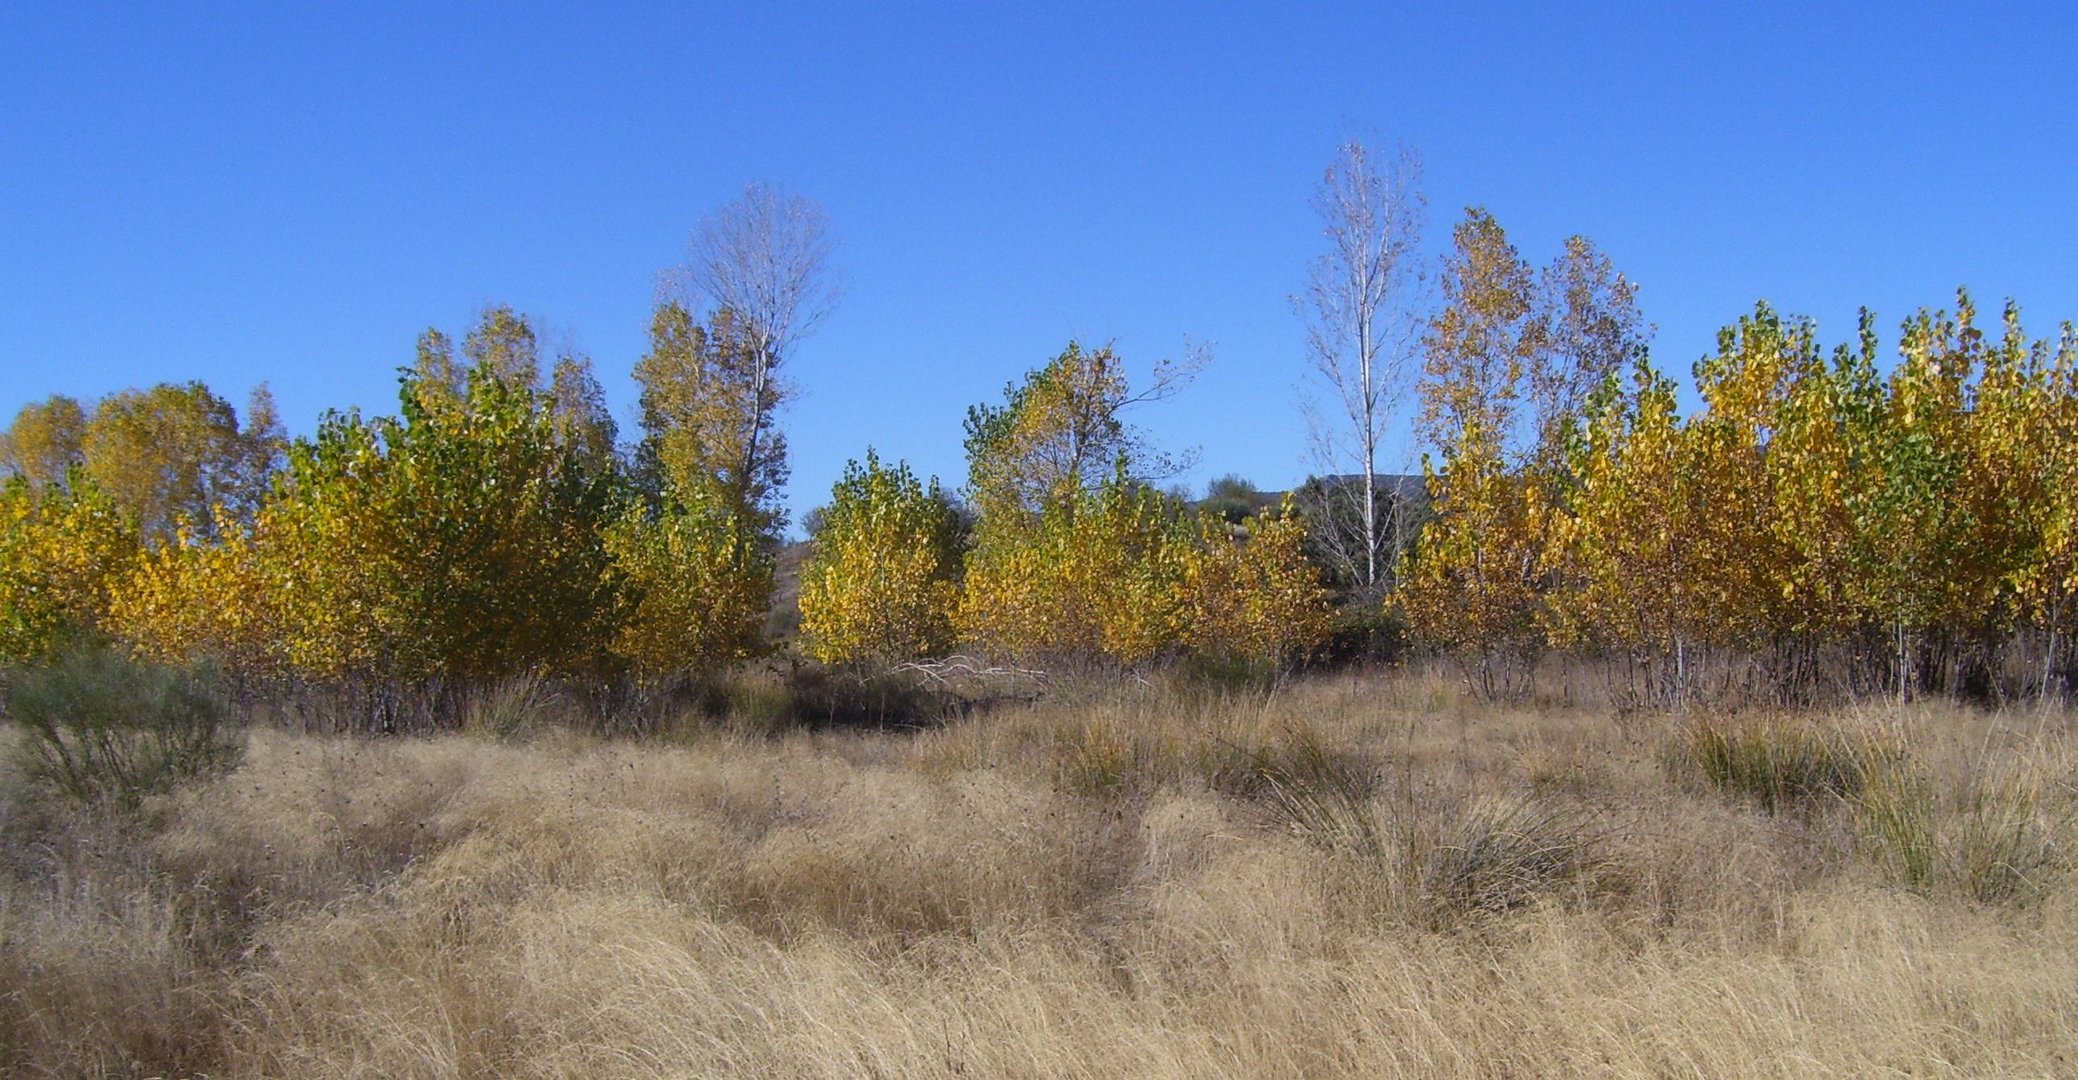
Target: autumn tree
[(1591, 331), (699, 391), (691, 599), (45, 441), (1250, 592), (443, 542), (1095, 574), (696, 552), (577, 407), (1476, 584), (174, 453), (763, 261), (1075, 557), (1627, 547), (1064, 430), (207, 596), (1363, 335), (2037, 421), (437, 376), (61, 547), (880, 584), (504, 345)]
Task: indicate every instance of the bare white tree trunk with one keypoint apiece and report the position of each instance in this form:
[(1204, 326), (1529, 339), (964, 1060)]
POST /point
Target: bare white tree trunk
[(1361, 310)]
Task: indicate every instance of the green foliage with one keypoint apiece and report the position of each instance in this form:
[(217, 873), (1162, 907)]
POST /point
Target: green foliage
[(99, 728), (1364, 635), (1231, 499)]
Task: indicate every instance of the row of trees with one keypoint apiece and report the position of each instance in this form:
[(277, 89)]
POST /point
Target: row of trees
[(1816, 524), (487, 528), (1065, 551), (1814, 527), (494, 526)]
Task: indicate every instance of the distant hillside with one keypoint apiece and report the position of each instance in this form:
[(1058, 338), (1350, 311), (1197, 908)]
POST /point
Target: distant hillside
[(1409, 486)]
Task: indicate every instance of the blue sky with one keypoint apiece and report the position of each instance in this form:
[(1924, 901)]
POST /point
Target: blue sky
[(290, 194)]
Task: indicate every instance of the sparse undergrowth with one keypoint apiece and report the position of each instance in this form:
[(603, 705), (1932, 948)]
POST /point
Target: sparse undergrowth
[(1338, 877), (1993, 827)]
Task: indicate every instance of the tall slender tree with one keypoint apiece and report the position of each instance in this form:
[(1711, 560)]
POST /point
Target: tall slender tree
[(1363, 331), (764, 259)]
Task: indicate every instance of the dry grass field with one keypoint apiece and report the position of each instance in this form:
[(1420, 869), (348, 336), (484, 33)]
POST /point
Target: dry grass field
[(1349, 877)]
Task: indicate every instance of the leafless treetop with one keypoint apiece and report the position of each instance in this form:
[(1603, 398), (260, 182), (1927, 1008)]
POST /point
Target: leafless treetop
[(764, 256)]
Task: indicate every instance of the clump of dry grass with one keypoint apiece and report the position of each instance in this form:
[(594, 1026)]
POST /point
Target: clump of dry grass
[(1785, 763), (1337, 878), (1998, 833)]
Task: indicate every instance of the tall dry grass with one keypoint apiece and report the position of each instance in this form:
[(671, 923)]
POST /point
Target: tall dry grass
[(1345, 877)]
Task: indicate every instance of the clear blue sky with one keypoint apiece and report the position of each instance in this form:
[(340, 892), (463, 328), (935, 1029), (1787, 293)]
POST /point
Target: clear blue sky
[(232, 194)]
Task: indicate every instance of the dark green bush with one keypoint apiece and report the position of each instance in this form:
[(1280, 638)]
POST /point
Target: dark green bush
[(97, 727), (1364, 634), (1219, 675)]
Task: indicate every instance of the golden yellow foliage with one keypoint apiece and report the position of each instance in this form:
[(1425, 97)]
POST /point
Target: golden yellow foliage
[(60, 549), (461, 542), (880, 586), (1626, 556), (203, 598), (174, 455), (705, 417), (1094, 574), (1255, 596), (44, 442), (695, 597)]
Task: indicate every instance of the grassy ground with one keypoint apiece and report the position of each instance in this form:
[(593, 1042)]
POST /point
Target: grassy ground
[(1347, 878)]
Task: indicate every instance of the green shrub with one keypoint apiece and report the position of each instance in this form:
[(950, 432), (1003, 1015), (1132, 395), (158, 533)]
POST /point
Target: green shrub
[(97, 727), (1212, 677), (1364, 634), (1780, 764), (2008, 840), (511, 709)]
